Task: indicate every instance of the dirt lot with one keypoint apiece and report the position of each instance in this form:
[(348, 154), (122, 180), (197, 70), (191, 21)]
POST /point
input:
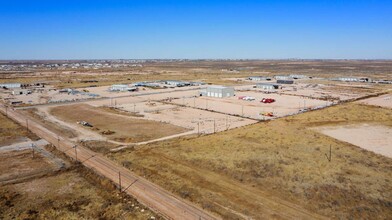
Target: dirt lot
[(17, 164), (125, 128), (382, 101), (284, 104), (252, 170), (199, 121), (370, 137), (11, 132), (73, 194)]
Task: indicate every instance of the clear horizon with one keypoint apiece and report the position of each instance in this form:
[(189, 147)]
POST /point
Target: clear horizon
[(94, 30)]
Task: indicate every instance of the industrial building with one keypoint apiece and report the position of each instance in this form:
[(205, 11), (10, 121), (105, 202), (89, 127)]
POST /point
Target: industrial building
[(10, 85), (121, 88), (283, 77), (218, 91), (346, 79), (177, 83), (298, 76), (259, 78), (287, 81), (21, 92), (267, 86)]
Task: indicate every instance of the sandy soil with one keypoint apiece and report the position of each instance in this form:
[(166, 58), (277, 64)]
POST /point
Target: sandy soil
[(125, 129), (382, 101), (284, 105), (374, 138), (103, 91), (195, 119)]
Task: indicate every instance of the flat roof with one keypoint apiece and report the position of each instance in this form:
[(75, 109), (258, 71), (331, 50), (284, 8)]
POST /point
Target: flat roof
[(218, 87)]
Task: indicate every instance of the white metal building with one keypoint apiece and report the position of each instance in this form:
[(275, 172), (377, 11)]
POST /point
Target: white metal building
[(259, 78), (10, 85), (298, 76), (219, 91), (121, 88), (282, 77), (267, 86)]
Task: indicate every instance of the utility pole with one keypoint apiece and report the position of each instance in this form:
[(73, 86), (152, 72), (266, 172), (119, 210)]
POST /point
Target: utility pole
[(330, 154), (119, 179), (214, 125), (76, 153), (198, 128), (32, 147), (206, 103)]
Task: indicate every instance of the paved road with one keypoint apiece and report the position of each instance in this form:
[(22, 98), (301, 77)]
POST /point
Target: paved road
[(144, 191)]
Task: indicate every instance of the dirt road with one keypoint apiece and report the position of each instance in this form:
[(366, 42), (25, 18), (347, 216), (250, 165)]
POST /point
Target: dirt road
[(144, 191)]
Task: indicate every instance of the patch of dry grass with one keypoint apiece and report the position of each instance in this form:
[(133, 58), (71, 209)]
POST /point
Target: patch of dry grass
[(11, 131), (243, 169), (56, 128), (74, 194)]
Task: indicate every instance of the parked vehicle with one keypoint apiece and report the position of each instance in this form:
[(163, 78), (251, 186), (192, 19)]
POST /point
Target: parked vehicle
[(246, 98), (269, 114), (267, 100), (85, 123)]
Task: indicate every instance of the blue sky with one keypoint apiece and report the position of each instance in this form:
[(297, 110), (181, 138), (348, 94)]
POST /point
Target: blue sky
[(244, 29)]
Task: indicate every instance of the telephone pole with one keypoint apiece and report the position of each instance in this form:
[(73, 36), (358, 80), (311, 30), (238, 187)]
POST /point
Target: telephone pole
[(119, 179), (32, 148), (76, 153), (329, 158)]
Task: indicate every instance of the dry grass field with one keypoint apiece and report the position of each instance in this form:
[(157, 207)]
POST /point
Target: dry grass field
[(250, 171), (18, 164), (57, 128), (11, 132), (125, 128), (73, 194), (40, 193)]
